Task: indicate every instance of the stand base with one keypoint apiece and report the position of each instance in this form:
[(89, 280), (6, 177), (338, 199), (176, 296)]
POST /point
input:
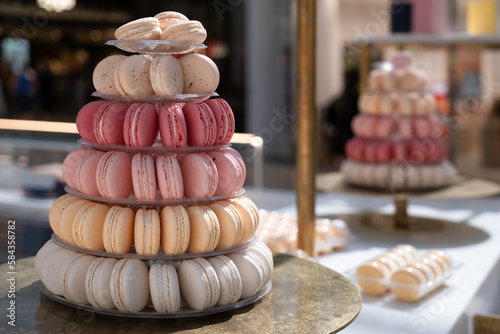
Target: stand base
[(388, 223)]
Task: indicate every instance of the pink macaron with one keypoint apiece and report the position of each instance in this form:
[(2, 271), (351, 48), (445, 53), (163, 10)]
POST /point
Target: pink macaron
[(114, 176), (384, 152), (418, 153), (200, 176), (140, 126), (224, 119), (421, 127), (169, 177), (173, 130), (144, 177), (400, 150), (405, 128), (108, 123), (85, 120), (201, 124), (84, 172), (385, 127), (69, 164), (355, 149), (371, 149), (230, 169)]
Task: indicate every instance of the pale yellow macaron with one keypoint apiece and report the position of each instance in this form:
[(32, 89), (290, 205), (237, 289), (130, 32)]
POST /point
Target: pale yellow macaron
[(88, 226), (169, 18), (118, 231), (145, 28), (147, 232), (175, 229)]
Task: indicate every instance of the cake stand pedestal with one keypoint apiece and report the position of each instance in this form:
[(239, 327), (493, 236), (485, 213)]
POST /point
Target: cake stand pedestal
[(463, 188)]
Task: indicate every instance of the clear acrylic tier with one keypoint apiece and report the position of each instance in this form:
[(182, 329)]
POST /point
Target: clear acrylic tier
[(157, 148), (155, 46), (177, 98)]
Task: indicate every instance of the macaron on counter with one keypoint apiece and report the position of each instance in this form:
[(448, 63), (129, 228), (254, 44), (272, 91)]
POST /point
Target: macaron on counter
[(177, 229), (399, 141), (404, 273), (145, 177), (132, 285), (154, 223), (202, 124)]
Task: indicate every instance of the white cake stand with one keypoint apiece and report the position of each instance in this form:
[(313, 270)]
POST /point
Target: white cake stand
[(463, 188)]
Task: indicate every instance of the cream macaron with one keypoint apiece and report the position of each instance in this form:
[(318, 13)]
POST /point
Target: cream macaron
[(190, 31), (104, 75), (44, 252), (145, 28), (51, 268), (166, 75), (147, 232), (252, 272), (129, 285), (73, 278), (175, 230), (169, 18), (132, 76), (199, 284), (97, 286), (229, 277), (201, 75), (164, 286)]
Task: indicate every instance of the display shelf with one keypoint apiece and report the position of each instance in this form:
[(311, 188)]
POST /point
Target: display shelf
[(155, 46), (161, 256), (463, 188)]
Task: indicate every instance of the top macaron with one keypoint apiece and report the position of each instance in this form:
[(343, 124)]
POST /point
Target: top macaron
[(170, 26)]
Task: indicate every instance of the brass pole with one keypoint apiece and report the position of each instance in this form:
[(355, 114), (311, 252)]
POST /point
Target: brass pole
[(401, 214), (307, 124)]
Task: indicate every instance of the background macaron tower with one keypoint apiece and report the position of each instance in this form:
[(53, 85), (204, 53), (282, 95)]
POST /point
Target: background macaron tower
[(399, 137), (155, 219)]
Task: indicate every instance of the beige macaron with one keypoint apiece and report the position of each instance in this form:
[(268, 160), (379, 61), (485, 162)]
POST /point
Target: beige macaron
[(51, 269), (88, 226), (132, 76), (205, 229), (44, 252), (164, 286), (118, 230), (249, 214), (104, 75), (147, 232), (175, 229), (129, 285), (73, 278), (190, 31), (97, 284), (201, 75), (407, 283), (145, 28), (230, 222), (170, 18), (166, 75)]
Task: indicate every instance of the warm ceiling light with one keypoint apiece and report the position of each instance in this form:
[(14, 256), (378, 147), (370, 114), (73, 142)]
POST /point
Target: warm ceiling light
[(56, 5)]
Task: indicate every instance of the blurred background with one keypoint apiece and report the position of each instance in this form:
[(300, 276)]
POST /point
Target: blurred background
[(49, 48)]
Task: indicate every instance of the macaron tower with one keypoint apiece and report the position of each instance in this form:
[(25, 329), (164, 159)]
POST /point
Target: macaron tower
[(399, 137), (155, 222)]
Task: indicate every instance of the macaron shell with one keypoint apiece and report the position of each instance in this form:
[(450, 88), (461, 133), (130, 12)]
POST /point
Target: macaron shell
[(230, 223), (224, 119), (140, 126), (97, 285), (129, 285), (229, 279), (133, 76), (372, 270), (251, 272), (249, 215), (204, 229), (169, 18), (69, 163), (59, 203), (104, 75), (200, 177), (84, 173), (201, 124), (85, 120), (266, 261), (144, 177), (108, 123), (172, 126), (44, 252), (114, 175), (88, 226), (231, 172), (170, 177), (73, 277), (147, 232), (198, 283), (118, 230), (51, 269), (190, 35), (166, 75), (175, 230), (164, 285), (201, 75), (145, 28)]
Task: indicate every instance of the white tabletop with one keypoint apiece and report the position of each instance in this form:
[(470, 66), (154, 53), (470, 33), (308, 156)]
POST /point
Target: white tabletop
[(472, 238)]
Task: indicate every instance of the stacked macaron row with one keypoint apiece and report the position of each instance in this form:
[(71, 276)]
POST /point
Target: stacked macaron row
[(119, 174), (155, 190), (403, 272), (162, 75), (399, 143), (168, 26), (208, 123), (128, 285), (171, 230)]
